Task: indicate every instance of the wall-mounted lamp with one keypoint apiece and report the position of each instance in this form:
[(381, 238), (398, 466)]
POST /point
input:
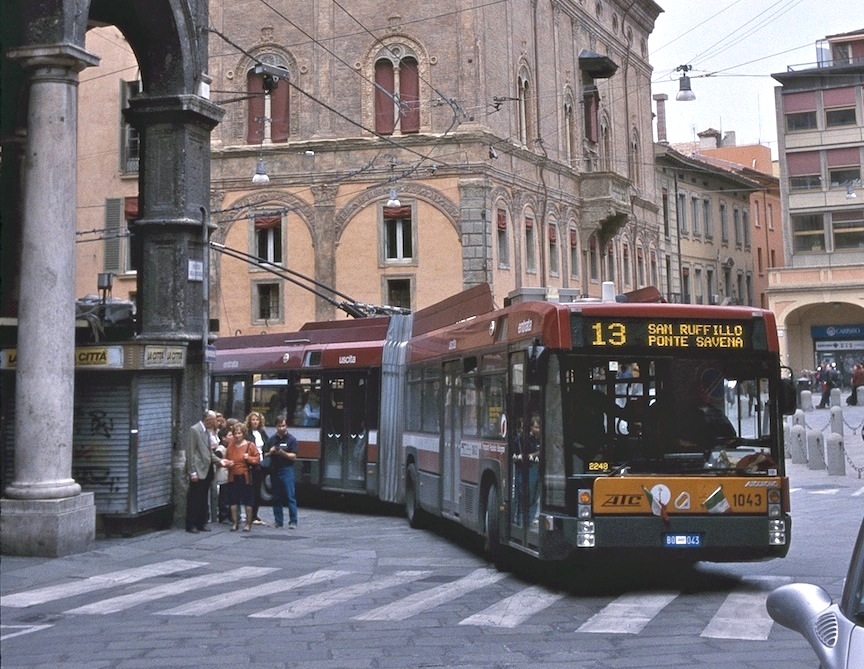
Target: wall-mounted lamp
[(685, 93), (394, 200), (493, 154), (260, 177)]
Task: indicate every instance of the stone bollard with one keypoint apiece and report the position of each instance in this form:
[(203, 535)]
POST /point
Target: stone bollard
[(798, 418), (835, 456), (835, 398), (787, 440), (815, 455), (806, 400), (859, 396), (798, 444), (836, 420)]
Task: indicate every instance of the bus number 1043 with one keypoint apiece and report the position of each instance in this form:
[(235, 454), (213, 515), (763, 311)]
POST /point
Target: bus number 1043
[(609, 334)]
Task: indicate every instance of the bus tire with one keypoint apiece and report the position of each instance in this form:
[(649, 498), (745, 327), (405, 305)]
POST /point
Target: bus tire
[(491, 526), (412, 510)]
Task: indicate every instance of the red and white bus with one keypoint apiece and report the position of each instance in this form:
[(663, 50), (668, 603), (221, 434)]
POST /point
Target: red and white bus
[(558, 430)]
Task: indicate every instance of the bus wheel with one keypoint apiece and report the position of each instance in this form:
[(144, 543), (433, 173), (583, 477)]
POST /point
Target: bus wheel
[(414, 513), (491, 532)]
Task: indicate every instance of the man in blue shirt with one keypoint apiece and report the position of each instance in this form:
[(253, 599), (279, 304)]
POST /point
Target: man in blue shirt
[(283, 452)]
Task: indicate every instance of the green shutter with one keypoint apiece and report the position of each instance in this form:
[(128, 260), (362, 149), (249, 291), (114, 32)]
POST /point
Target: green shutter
[(113, 230)]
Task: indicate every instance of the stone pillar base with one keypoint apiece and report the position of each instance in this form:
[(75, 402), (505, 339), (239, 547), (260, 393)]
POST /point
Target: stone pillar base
[(47, 527)]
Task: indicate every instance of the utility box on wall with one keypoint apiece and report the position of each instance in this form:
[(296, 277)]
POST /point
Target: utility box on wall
[(124, 429)]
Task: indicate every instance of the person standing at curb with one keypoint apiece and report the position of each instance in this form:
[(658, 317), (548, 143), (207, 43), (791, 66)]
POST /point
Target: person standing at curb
[(283, 453)]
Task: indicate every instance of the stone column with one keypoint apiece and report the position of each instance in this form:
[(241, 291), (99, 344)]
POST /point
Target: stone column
[(324, 240), (44, 512), (172, 238), (476, 233)]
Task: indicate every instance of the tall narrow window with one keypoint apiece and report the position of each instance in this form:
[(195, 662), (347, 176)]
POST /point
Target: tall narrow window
[(526, 117), (397, 92), (724, 224), (635, 160), (574, 252), (593, 259), (398, 234), (736, 224), (130, 143), (268, 110), (591, 107), (625, 264), (503, 241), (553, 249), (530, 246), (695, 206), (268, 237), (610, 262), (569, 133), (665, 200), (706, 218), (745, 224), (681, 210)]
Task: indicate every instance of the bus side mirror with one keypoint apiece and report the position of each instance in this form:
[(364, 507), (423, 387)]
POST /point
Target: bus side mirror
[(788, 403)]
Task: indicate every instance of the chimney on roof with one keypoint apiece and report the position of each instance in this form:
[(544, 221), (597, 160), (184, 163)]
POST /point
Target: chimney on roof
[(661, 117), (709, 139), (729, 138)]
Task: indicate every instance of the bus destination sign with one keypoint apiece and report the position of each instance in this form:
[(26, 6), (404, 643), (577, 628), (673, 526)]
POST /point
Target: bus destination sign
[(665, 333)]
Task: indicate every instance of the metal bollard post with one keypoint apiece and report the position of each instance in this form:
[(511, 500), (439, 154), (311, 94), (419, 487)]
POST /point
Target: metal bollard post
[(835, 456), (798, 444), (815, 455), (806, 400)]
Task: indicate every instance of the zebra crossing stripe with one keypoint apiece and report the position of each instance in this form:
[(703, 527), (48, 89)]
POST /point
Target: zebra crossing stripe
[(123, 602), (227, 599), (428, 599), (21, 629), (513, 611), (94, 583), (743, 614), (317, 602), (628, 614)]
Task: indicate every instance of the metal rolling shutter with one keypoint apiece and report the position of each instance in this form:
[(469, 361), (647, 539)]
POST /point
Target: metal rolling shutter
[(155, 432)]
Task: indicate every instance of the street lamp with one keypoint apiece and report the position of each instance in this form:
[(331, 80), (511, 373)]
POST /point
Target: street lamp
[(685, 93)]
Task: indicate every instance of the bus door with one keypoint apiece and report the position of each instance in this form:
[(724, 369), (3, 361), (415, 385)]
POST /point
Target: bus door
[(525, 442), (451, 435), (228, 396), (344, 431)]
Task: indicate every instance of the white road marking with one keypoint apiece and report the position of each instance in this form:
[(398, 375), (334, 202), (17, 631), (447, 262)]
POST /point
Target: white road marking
[(101, 582), (827, 491), (428, 599), (743, 615), (317, 602), (628, 614), (858, 492), (123, 602), (226, 599), (513, 611), (22, 629)]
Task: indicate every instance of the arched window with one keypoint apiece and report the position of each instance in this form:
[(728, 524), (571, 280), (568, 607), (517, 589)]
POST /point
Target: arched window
[(526, 118), (269, 108), (605, 145), (634, 158), (569, 132), (397, 92)]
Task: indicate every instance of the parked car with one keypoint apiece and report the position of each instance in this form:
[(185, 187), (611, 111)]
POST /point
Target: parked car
[(835, 631)]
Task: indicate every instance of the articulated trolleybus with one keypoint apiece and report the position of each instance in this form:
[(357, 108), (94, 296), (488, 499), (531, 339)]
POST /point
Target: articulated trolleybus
[(560, 430)]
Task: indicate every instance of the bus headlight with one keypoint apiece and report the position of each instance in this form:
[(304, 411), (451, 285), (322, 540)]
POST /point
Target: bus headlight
[(774, 511), (583, 507), (776, 533), (585, 534)]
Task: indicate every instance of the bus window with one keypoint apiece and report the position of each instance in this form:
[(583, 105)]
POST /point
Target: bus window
[(305, 410), (431, 420), (269, 396)]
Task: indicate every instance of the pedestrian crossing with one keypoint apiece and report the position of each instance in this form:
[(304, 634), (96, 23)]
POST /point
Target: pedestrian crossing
[(198, 588)]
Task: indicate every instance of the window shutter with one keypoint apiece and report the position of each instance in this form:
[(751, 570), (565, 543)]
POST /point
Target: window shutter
[(280, 112), (384, 78), (803, 163), (839, 97), (553, 233), (848, 157), (409, 96), (130, 208), (113, 230), (502, 219), (799, 102), (255, 122), (529, 223), (574, 238)]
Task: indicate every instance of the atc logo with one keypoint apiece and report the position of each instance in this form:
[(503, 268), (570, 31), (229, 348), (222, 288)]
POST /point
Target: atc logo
[(622, 501)]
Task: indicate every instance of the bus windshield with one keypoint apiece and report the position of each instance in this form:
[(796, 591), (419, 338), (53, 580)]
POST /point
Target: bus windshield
[(667, 415)]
